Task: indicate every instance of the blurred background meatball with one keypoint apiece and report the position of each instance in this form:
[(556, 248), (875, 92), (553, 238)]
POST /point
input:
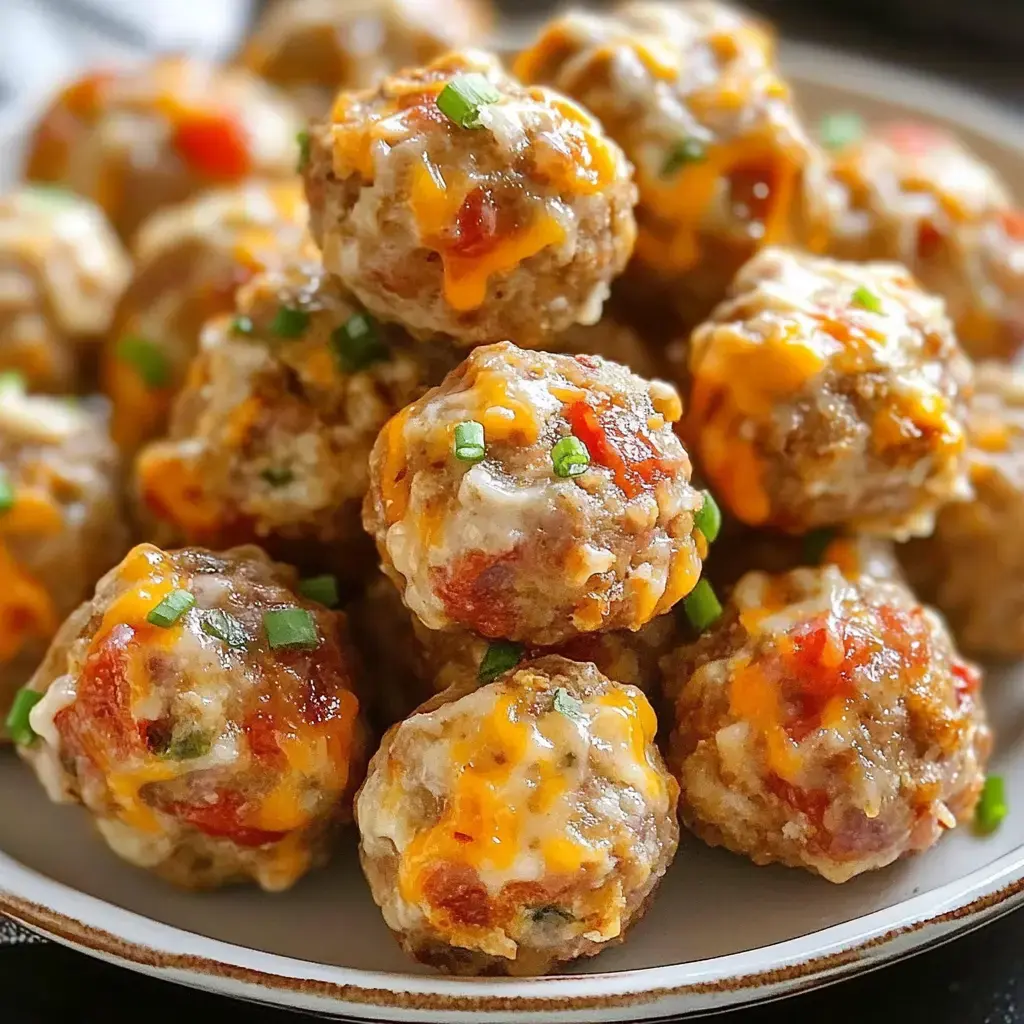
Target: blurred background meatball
[(61, 525), (205, 716), (514, 826), (827, 394), (535, 497), (825, 723), (190, 260), (460, 203), (62, 270), (270, 437), (138, 139), (312, 48)]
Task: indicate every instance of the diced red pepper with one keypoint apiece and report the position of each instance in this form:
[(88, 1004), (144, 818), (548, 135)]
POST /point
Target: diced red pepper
[(214, 146), (223, 818)]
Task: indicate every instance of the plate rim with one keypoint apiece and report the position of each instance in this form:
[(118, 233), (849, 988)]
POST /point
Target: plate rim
[(84, 922)]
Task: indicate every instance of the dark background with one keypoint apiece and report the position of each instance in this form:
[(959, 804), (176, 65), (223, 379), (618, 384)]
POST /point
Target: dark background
[(978, 979)]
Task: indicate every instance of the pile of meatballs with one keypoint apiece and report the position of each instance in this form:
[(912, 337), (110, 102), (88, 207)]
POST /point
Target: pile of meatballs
[(513, 459)]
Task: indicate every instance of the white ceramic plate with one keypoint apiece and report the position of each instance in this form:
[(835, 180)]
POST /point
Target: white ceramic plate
[(722, 932)]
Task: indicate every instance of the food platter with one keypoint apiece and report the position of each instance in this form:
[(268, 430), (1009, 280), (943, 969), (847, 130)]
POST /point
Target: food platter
[(722, 932)]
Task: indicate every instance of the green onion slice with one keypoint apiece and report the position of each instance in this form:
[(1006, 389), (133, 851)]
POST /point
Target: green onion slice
[(840, 129), (568, 705), (277, 476), (709, 519), (192, 745), (322, 589), (289, 322), (469, 441), (570, 456), (463, 97), (12, 382), (242, 325), (356, 343), (18, 726), (293, 628), (303, 140), (687, 151), (6, 491), (701, 606), (171, 608), (867, 299), (992, 807), (501, 655), (149, 360), (222, 626)]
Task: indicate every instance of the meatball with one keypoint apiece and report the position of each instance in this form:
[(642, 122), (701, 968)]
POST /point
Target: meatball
[(830, 394), (972, 567), (536, 497), (915, 194), (204, 715), (61, 272), (693, 95), (313, 48), (508, 828), (825, 723), (189, 261), (61, 525), (506, 218), (270, 438), (138, 139)]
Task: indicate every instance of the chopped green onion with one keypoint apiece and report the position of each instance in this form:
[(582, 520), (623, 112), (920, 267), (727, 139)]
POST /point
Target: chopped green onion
[(18, 726), (701, 606), (6, 491), (242, 325), (322, 589), (568, 705), (12, 382), (277, 476), (291, 627), (289, 322), (192, 745), (171, 608), (463, 97), (501, 655), (356, 343), (992, 806), (815, 544), (867, 299), (148, 359), (709, 519), (303, 140), (222, 626), (840, 129), (469, 441), (688, 151), (570, 456)]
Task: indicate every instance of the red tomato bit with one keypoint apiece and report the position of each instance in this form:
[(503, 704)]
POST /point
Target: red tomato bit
[(214, 146)]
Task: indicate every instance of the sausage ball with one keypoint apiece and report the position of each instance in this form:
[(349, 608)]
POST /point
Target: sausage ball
[(204, 715), (508, 828), (693, 95), (138, 139), (189, 261), (270, 438), (313, 48), (825, 723), (972, 567), (460, 203), (62, 270), (915, 194), (830, 394), (535, 497)]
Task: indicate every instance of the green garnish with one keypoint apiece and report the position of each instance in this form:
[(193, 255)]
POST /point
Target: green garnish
[(277, 476), (322, 589), (992, 807), (463, 97), (6, 491), (568, 705), (18, 726), (171, 608), (840, 129), (148, 359), (222, 626), (291, 628), (689, 151), (356, 343), (867, 299), (303, 140), (570, 456), (192, 745), (816, 543), (289, 322), (709, 519), (469, 441), (12, 382), (242, 325), (701, 606), (501, 655), (49, 195)]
